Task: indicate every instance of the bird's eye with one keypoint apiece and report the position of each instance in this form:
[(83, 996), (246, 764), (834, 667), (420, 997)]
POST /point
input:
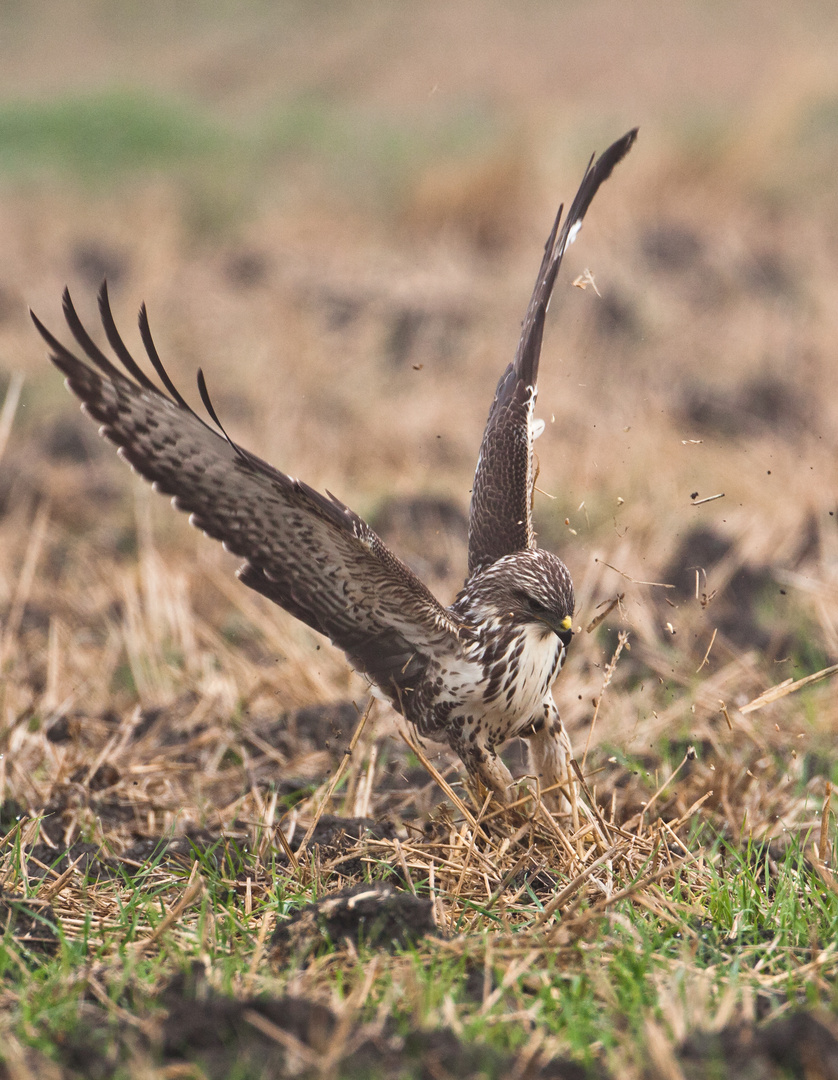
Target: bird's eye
[(536, 606)]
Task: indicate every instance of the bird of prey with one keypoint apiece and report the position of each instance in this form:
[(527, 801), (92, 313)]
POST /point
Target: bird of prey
[(473, 674)]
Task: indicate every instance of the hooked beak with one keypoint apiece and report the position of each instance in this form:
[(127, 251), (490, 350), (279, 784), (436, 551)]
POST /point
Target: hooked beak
[(562, 629)]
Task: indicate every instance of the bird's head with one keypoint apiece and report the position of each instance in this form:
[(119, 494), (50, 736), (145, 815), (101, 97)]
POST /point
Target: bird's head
[(531, 587)]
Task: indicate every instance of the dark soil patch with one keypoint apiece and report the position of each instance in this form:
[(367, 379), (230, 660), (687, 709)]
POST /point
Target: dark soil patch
[(68, 439), (95, 262), (337, 842), (440, 1053), (92, 863), (294, 1035), (616, 316), (375, 915), (335, 834), (735, 609), (804, 1044), (316, 727), (107, 775), (11, 812), (430, 533), (45, 861), (216, 849), (672, 247), (224, 1035), (324, 725), (30, 922), (766, 403), (276, 1037)]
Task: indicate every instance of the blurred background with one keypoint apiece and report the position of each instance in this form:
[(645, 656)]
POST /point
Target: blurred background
[(338, 211)]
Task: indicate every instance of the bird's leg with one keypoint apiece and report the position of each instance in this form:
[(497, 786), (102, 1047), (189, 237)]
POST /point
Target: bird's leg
[(483, 764), (549, 756)]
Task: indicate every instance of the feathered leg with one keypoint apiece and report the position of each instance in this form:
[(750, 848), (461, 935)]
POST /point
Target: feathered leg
[(484, 765), (550, 754)]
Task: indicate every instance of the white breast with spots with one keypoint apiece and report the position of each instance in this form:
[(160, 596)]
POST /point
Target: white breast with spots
[(502, 708), (520, 699)]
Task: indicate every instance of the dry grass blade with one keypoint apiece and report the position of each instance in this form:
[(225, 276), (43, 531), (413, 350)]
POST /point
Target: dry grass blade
[(25, 581), (509, 877), (8, 410), (286, 847), (645, 882), (707, 654), (606, 832), (509, 977), (283, 1038), (96, 988), (634, 581), (788, 686), (267, 919), (405, 868), (606, 680), (55, 887), (827, 876), (689, 756), (469, 854), (349, 1017), (603, 615), (338, 773), (823, 840), (194, 888), (439, 778), (692, 810), (573, 886)]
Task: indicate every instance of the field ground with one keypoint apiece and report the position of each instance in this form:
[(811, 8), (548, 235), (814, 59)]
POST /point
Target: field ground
[(338, 211)]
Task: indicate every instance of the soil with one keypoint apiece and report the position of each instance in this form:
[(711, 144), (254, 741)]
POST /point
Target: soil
[(374, 915)]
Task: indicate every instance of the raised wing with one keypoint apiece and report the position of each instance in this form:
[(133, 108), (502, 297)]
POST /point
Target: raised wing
[(306, 551), (500, 517)]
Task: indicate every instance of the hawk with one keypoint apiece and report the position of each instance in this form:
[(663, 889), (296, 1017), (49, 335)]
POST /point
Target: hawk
[(473, 674)]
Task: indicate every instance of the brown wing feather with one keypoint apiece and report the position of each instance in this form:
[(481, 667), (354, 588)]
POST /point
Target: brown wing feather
[(306, 551), (500, 517)]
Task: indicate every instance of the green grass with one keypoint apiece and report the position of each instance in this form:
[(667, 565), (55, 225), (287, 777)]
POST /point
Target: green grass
[(101, 137), (104, 134), (756, 929)]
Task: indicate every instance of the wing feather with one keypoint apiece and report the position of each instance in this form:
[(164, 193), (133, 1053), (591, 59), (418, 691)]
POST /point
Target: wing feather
[(500, 516), (306, 551)]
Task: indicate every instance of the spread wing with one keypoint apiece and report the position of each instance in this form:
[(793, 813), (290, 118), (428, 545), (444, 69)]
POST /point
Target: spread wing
[(306, 551), (500, 517)]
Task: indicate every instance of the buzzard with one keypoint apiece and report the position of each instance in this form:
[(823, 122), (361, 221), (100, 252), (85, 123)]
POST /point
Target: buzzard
[(473, 674)]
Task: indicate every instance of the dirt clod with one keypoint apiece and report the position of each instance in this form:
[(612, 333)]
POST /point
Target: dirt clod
[(376, 915)]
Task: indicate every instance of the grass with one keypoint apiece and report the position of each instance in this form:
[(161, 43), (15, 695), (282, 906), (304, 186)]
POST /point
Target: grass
[(749, 926), (104, 134), (144, 881), (100, 139)]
